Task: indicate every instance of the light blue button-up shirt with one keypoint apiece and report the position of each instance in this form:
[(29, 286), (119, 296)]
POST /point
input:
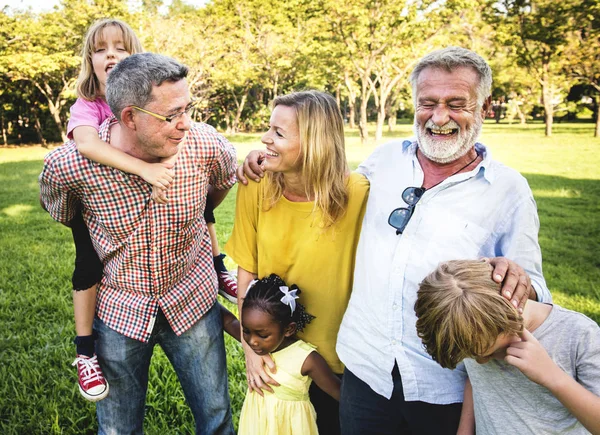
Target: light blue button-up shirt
[(487, 212)]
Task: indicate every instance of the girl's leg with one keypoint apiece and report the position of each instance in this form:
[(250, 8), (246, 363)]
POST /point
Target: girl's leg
[(227, 282), (87, 274), (84, 308), (212, 232)]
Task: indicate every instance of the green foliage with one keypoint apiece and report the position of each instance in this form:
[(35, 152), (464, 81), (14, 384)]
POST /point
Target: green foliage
[(537, 33), (243, 54), (42, 53)]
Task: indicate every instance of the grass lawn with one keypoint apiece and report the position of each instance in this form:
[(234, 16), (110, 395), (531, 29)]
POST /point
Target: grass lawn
[(38, 393)]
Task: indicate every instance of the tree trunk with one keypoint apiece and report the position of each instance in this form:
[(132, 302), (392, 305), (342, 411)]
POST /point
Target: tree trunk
[(364, 102), (597, 129), (351, 101), (380, 120), (227, 116), (362, 123), (548, 116), (38, 129), (351, 112), (55, 112), (547, 100), (4, 135), (55, 105), (391, 122), (521, 115), (238, 114)]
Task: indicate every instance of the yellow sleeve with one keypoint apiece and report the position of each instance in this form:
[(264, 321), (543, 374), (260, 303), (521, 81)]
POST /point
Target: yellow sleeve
[(242, 245)]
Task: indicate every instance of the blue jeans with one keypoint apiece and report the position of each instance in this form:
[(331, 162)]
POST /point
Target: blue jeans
[(198, 357), (364, 412)]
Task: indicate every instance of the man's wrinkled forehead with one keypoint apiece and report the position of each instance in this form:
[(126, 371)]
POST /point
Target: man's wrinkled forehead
[(464, 76)]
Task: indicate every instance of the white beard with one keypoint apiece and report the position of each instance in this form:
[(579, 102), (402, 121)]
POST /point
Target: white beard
[(446, 151)]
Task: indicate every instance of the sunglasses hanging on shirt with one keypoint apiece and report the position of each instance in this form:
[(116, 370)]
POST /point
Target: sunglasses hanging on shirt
[(400, 217)]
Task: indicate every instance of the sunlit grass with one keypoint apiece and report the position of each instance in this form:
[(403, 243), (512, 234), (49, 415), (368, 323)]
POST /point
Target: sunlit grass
[(38, 393)]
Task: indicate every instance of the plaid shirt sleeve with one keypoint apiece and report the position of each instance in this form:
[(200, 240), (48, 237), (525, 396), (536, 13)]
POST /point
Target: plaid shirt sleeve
[(55, 196), (224, 164)]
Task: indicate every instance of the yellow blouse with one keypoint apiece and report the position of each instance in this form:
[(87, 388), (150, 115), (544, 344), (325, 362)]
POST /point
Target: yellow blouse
[(288, 241)]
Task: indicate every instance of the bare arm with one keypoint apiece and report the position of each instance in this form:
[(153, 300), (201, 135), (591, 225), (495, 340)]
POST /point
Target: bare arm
[(91, 146), (467, 415), (258, 379), (217, 195), (231, 324), (316, 367), (530, 357)]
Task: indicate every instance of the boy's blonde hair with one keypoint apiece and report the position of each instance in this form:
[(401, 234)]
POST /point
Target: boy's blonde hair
[(323, 154), (461, 312), (88, 86)]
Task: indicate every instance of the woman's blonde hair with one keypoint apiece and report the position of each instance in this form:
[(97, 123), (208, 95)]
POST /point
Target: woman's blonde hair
[(88, 86), (461, 312), (323, 154)]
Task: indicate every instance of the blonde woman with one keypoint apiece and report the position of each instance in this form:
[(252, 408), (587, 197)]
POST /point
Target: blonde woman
[(302, 222)]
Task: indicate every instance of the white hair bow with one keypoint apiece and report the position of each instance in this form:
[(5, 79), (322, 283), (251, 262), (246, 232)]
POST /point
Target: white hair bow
[(289, 297), (254, 281)]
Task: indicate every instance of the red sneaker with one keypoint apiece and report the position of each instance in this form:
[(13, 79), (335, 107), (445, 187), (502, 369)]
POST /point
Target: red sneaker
[(92, 384), (227, 286)]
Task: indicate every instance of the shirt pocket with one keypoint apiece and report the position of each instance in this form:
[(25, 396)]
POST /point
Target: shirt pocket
[(187, 199), (119, 202), (453, 237)]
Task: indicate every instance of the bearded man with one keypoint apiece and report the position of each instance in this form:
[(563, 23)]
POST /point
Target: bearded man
[(437, 198)]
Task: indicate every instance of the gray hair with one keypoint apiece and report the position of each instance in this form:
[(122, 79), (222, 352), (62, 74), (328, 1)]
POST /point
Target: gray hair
[(131, 81), (451, 58)]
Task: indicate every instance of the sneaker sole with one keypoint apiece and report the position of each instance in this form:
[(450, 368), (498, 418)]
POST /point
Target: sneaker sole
[(95, 398), (228, 297)]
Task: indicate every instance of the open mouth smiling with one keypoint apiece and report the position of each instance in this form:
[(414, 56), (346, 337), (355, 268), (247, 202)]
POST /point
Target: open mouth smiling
[(271, 153), (442, 132)]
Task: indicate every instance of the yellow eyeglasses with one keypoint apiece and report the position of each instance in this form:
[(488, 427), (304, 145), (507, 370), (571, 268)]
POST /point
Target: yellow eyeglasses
[(175, 117)]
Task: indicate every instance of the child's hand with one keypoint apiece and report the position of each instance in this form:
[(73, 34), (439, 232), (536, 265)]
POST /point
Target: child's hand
[(158, 174), (159, 195), (530, 357)]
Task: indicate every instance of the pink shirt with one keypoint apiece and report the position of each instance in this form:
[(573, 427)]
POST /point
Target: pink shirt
[(90, 113)]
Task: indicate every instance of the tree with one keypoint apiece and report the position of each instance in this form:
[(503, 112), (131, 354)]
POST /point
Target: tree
[(43, 50), (537, 31), (583, 52), (365, 30), (381, 40), (27, 58)]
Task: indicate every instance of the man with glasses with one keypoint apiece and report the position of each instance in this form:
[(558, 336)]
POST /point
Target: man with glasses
[(159, 284), (436, 198)]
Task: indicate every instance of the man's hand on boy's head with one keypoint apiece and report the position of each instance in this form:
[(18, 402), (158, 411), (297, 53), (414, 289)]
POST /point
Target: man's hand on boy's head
[(516, 284), (530, 357), (252, 167)]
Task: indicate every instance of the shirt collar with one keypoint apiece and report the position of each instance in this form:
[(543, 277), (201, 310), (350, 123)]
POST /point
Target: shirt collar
[(410, 146)]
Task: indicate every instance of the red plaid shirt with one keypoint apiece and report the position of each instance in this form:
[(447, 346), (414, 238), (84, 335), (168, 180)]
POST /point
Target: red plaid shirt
[(154, 255)]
